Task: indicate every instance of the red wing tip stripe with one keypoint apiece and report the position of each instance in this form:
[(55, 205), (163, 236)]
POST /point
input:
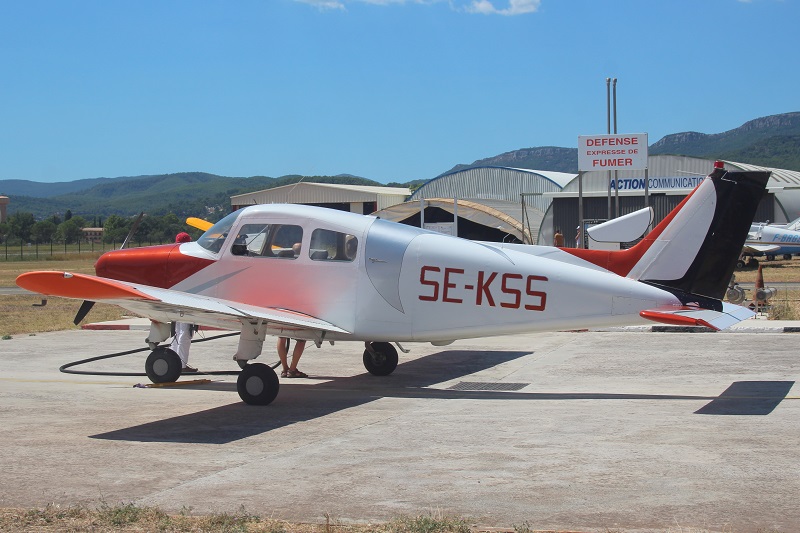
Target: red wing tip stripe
[(79, 286), (675, 320)]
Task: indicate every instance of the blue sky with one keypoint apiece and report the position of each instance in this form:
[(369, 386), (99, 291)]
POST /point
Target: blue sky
[(391, 90)]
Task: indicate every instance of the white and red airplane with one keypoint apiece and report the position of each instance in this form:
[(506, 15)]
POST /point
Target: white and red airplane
[(324, 275)]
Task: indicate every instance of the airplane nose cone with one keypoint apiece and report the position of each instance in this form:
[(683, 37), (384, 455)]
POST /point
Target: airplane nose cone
[(148, 265), (158, 266)]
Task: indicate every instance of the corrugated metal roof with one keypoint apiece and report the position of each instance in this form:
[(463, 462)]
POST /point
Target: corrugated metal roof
[(500, 214), (319, 193), (495, 183), (780, 177)]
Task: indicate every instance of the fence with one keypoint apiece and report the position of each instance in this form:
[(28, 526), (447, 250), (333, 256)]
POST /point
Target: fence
[(36, 251)]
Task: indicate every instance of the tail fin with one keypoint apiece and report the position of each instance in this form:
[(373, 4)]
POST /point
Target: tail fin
[(694, 250)]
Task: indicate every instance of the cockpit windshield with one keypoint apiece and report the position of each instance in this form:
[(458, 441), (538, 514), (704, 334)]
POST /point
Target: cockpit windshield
[(213, 238)]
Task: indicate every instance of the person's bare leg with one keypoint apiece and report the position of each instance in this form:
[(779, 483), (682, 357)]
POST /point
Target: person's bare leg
[(299, 346), (283, 352)]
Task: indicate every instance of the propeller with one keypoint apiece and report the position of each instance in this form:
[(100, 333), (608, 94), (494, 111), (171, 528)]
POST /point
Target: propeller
[(87, 305), (199, 223)]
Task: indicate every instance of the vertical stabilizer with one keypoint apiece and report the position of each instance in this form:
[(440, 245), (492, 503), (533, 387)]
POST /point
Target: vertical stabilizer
[(698, 250), (694, 250)]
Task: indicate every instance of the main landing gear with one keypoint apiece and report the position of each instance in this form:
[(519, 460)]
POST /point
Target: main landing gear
[(257, 384), (163, 365), (380, 358)]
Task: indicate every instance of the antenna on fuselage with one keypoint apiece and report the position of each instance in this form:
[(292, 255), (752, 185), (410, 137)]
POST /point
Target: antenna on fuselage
[(133, 230)]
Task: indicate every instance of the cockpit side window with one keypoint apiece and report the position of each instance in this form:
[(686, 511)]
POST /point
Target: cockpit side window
[(284, 241), (250, 239), (328, 245), (214, 237), (268, 240)]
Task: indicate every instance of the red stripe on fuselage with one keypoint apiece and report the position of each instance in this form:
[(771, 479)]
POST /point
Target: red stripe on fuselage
[(158, 266), (621, 262)]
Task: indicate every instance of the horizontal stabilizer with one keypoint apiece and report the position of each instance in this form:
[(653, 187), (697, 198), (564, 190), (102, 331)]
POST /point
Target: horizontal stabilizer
[(761, 248), (626, 228), (695, 316)]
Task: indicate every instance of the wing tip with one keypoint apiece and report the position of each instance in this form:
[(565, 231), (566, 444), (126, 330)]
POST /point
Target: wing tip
[(79, 286)]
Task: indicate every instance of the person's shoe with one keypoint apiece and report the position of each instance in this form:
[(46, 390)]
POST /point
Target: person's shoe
[(188, 370), (285, 373), (296, 374)]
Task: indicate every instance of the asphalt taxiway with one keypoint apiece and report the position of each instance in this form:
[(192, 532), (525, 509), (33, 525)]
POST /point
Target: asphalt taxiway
[(588, 431)]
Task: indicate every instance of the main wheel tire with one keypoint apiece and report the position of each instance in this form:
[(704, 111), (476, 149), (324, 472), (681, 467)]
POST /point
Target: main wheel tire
[(383, 362), (257, 384), (787, 257), (163, 365), (740, 264), (770, 257)]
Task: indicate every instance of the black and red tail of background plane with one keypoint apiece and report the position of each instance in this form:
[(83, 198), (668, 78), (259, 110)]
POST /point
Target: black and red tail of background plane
[(693, 251)]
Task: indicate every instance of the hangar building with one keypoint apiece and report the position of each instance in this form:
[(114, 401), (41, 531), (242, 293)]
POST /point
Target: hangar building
[(671, 178), (489, 203), (354, 198)]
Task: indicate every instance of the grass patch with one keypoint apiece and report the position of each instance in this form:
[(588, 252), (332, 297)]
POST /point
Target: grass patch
[(18, 315), (128, 517), (773, 271), (785, 305), (83, 264)]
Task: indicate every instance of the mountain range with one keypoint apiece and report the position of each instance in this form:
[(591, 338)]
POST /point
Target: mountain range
[(772, 141)]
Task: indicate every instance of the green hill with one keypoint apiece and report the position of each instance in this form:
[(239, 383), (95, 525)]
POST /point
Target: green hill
[(185, 194), (768, 141), (772, 141)]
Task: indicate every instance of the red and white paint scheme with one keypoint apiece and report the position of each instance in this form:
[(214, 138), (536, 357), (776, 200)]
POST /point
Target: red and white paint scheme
[(324, 275)]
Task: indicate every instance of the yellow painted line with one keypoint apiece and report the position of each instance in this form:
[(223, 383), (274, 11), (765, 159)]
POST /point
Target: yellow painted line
[(174, 383)]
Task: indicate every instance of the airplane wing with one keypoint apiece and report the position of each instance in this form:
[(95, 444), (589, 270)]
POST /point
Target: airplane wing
[(760, 248), (694, 316), (165, 305)]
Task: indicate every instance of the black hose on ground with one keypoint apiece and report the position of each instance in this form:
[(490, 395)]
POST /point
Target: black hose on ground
[(64, 368)]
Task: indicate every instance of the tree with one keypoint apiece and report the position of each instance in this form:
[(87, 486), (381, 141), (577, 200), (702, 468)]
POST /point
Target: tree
[(20, 224), (67, 215), (70, 231), (116, 228), (43, 231)]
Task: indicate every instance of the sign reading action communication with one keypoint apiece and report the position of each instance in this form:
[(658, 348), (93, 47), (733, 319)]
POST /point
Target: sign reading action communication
[(612, 152)]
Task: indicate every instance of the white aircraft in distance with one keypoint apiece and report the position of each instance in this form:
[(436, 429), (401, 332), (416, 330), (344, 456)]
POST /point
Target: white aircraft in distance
[(324, 275), (773, 240)]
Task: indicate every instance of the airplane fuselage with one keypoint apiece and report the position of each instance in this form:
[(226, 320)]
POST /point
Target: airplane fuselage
[(400, 283)]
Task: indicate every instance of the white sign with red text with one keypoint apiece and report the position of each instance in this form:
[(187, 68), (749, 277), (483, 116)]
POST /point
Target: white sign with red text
[(623, 151)]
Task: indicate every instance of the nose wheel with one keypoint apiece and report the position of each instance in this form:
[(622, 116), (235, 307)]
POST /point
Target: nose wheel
[(163, 365), (257, 384), (380, 358)]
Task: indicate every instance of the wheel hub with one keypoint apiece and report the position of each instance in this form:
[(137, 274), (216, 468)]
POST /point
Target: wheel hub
[(254, 385), (161, 367)]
